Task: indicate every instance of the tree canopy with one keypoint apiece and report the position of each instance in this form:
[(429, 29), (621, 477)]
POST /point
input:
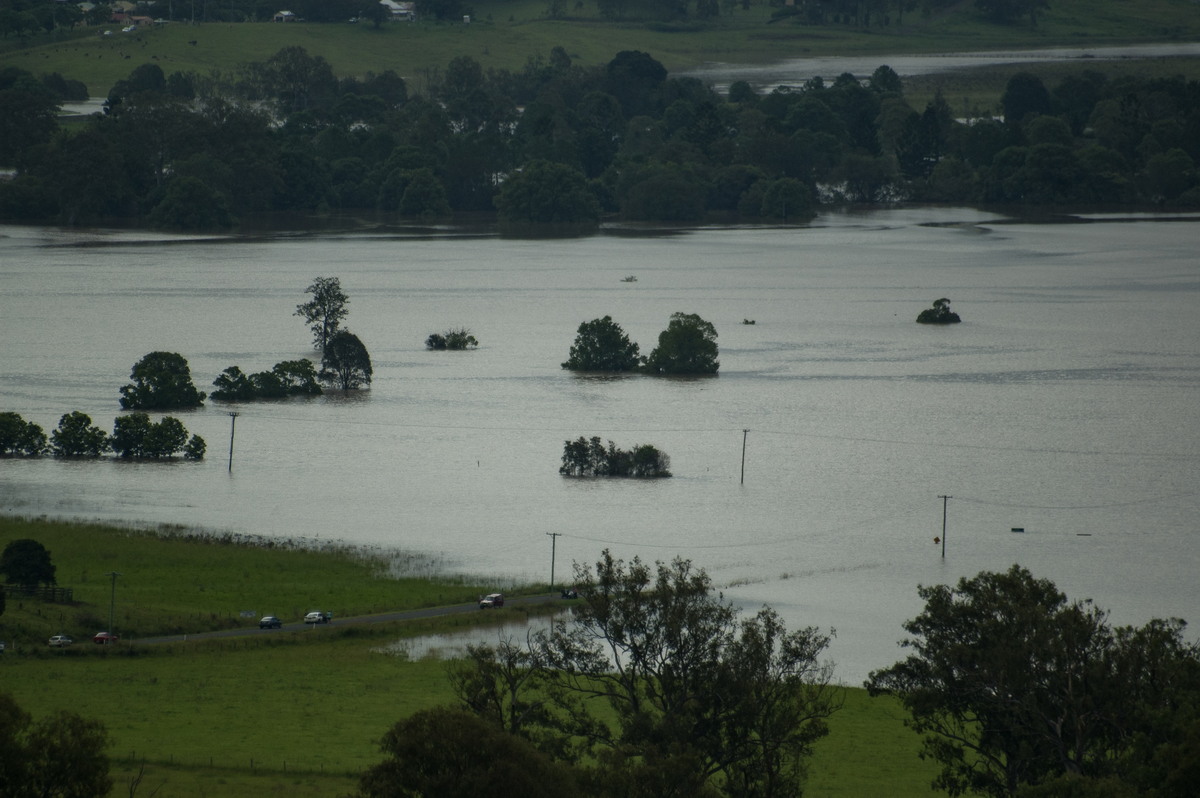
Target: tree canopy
[(76, 436), (590, 458), (656, 687), (325, 311), (161, 381), (601, 345), (940, 313), (1013, 687), (26, 562), (687, 346), (20, 437), (62, 755), (346, 363)]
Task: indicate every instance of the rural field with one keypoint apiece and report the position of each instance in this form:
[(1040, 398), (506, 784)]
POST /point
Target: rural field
[(506, 35), (281, 711)]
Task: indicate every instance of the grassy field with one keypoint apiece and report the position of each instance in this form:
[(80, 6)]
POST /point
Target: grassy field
[(295, 713), (506, 34)]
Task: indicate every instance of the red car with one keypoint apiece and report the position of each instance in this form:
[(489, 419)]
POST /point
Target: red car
[(104, 638)]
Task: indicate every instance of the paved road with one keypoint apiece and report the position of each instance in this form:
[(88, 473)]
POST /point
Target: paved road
[(383, 617)]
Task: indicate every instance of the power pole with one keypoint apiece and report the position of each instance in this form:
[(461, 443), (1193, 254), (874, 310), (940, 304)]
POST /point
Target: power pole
[(944, 500), (232, 427), (112, 602), (553, 546), (745, 432)]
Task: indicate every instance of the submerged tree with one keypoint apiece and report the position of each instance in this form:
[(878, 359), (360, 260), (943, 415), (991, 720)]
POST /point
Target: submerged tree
[(687, 346), (940, 313), (161, 381), (455, 339), (325, 311), (77, 437), (20, 437), (346, 363), (601, 345), (589, 458)]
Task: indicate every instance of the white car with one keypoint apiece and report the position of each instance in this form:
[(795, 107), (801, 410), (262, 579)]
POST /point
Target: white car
[(61, 641), (129, 29), (316, 616)]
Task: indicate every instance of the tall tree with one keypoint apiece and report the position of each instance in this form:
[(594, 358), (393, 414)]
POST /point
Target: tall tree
[(18, 436), (346, 363), (325, 311), (27, 562), (1013, 686), (702, 702)]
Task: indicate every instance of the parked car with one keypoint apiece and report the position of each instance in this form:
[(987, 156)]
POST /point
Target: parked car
[(60, 641), (316, 616), (491, 601), (270, 622), (104, 638)]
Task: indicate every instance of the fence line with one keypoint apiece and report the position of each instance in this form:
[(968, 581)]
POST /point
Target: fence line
[(51, 593)]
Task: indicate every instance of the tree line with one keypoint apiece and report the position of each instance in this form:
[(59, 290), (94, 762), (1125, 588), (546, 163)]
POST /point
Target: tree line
[(558, 143)]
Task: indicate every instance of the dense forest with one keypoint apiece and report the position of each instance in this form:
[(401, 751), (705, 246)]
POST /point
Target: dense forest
[(560, 143)]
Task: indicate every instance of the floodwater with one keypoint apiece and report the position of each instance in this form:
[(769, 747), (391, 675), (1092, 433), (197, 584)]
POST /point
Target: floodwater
[(1064, 404), (797, 71)]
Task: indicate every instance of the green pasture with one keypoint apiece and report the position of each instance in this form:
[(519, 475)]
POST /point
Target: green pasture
[(280, 712), (178, 582), (503, 35)]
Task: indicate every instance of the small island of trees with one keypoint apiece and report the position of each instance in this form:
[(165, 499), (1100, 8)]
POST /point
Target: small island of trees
[(586, 457), (940, 313), (455, 340), (687, 346)]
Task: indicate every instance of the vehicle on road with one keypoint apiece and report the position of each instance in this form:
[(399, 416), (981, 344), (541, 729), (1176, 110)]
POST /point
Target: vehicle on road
[(105, 638), (491, 601), (270, 622), (316, 616), (61, 641)]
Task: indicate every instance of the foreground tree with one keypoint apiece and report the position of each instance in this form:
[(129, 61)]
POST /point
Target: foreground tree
[(660, 689), (77, 437), (346, 363), (325, 311), (161, 381), (26, 562), (448, 753), (1013, 687), (61, 756), (601, 345), (20, 437), (286, 378), (687, 346)]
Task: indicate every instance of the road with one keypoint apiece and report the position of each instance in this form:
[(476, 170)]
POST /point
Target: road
[(383, 617)]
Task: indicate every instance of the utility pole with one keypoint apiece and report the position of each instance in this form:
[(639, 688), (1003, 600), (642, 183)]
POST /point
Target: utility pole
[(745, 432), (232, 426), (112, 602), (553, 546), (944, 500)]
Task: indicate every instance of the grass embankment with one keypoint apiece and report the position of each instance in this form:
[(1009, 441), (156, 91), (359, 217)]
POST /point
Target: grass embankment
[(295, 713), (503, 35)]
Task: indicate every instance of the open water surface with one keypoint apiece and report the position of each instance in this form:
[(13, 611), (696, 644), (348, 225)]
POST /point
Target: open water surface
[(1066, 402)]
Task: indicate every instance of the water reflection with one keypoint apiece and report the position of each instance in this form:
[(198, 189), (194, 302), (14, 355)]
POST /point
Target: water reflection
[(454, 645)]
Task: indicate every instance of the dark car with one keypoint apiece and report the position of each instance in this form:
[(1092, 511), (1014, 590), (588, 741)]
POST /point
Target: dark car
[(105, 638), (491, 601), (270, 622)]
